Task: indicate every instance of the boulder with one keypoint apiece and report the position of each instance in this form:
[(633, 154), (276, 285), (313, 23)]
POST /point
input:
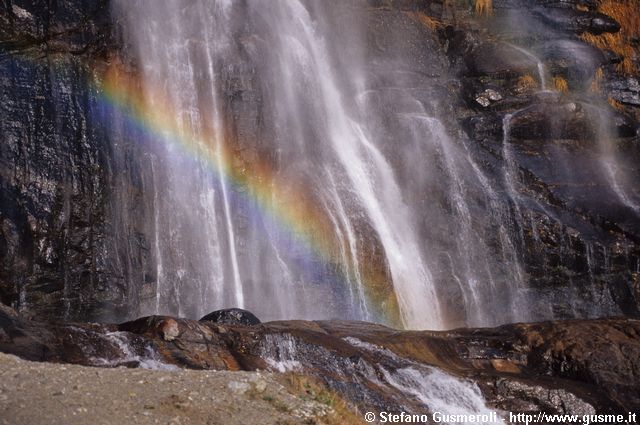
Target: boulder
[(500, 60), (232, 316), (577, 21)]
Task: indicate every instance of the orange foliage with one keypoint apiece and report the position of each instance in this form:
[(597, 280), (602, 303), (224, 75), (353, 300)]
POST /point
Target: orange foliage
[(484, 7), (595, 84), (615, 104), (526, 82), (627, 13), (561, 84)]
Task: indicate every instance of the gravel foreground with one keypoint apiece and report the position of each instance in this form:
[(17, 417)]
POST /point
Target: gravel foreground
[(45, 393)]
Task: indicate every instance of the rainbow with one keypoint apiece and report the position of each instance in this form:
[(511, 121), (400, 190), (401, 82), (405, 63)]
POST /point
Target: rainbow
[(286, 205)]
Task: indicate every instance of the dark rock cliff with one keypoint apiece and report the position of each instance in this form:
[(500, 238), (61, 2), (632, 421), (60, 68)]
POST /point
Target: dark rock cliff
[(58, 251), (65, 253)]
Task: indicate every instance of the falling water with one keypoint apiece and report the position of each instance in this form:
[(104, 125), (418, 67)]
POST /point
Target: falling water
[(542, 70), (117, 349), (616, 177), (362, 204)]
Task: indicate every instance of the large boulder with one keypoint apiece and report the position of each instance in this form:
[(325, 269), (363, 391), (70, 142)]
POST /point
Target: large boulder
[(500, 60), (578, 21), (232, 316)]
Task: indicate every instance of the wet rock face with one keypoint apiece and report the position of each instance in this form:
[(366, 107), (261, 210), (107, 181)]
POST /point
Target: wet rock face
[(573, 367), (550, 132), (59, 253), (61, 26)]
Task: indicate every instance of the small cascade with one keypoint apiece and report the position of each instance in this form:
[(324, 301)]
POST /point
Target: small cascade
[(616, 176), (511, 172), (542, 69), (280, 353), (590, 256), (104, 348), (439, 391), (413, 387), (145, 358)]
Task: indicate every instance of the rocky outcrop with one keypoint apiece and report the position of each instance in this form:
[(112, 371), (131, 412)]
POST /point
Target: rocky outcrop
[(556, 367)]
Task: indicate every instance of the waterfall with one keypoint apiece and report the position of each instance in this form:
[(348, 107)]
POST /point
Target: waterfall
[(299, 169)]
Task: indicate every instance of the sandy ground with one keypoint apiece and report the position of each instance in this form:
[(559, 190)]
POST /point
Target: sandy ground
[(43, 393)]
